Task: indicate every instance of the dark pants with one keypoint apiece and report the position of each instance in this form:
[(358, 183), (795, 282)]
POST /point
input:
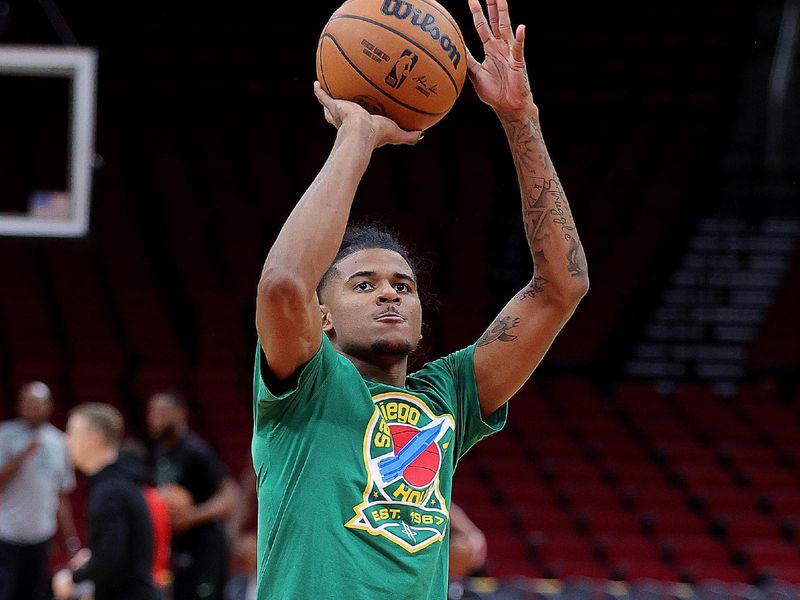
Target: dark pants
[(200, 574), (24, 571)]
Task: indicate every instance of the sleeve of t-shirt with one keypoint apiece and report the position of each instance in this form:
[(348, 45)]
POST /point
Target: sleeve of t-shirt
[(67, 483), (311, 377), (471, 426), (5, 449)]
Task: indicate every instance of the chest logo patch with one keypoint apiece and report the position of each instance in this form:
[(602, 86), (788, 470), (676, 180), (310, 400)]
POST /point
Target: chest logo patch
[(404, 446)]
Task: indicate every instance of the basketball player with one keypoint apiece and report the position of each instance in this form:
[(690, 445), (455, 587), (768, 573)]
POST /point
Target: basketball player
[(355, 456)]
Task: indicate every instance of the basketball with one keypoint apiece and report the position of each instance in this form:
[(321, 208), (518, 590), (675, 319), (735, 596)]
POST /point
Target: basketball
[(402, 59)]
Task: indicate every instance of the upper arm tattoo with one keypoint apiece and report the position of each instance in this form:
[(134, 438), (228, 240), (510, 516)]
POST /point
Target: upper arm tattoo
[(500, 331)]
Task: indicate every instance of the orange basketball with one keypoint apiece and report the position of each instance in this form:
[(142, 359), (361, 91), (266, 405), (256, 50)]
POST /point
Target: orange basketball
[(404, 59)]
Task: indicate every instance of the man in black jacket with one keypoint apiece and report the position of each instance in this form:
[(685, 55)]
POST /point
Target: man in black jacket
[(120, 553)]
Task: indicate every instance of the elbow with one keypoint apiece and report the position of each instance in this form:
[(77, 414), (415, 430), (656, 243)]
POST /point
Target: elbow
[(280, 288), (280, 295), (571, 294), (580, 288), (278, 282)]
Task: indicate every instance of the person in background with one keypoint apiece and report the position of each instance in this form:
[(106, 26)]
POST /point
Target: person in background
[(119, 557), (199, 543), (134, 455), (35, 478), (467, 544)]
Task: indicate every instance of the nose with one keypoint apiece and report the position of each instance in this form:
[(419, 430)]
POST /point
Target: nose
[(387, 295)]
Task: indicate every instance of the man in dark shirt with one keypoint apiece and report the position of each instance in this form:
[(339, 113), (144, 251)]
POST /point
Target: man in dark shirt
[(120, 553), (199, 544)]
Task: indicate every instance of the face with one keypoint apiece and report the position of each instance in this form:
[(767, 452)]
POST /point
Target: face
[(370, 306), (34, 404), (163, 417), (83, 441)]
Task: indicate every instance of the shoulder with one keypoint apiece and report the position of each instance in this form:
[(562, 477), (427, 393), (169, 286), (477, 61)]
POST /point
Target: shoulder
[(10, 433), (54, 435), (312, 379), (9, 427), (449, 367), (194, 445), (114, 492), (106, 496)]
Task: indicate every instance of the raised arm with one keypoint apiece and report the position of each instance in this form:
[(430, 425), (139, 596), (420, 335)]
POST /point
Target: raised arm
[(516, 341), (217, 507), (288, 316), (10, 468)]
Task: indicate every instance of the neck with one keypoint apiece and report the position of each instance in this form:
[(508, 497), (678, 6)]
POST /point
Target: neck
[(172, 440), (101, 460), (391, 371)]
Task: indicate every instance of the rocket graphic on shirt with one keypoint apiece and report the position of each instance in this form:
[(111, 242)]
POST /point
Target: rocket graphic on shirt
[(404, 446)]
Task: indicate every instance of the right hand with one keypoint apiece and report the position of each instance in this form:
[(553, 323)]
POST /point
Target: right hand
[(379, 130), (62, 584)]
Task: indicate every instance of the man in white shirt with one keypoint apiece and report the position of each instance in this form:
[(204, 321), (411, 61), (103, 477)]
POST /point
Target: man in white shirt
[(35, 477)]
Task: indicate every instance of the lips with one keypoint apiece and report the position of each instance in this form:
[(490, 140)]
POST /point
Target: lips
[(390, 316)]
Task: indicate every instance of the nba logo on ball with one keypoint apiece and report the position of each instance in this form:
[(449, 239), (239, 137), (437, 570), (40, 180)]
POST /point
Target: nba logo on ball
[(369, 48), (401, 69), (404, 445)]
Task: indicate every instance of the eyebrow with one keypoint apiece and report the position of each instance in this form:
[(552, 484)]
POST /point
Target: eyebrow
[(370, 274)]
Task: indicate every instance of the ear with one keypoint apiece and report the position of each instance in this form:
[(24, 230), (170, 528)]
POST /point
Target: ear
[(327, 319)]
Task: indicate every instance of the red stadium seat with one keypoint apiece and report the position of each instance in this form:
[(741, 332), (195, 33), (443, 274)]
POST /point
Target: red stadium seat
[(524, 494), (694, 549), (785, 501), (742, 528), (553, 547), (766, 478), (725, 499), (569, 569), (502, 566), (786, 572), (635, 569), (716, 572), (584, 496), (609, 522), (544, 519), (653, 496), (489, 518), (505, 544), (672, 522), (764, 554), (622, 546)]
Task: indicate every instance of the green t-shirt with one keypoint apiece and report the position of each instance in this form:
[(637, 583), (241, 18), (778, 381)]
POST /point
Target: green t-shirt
[(355, 476)]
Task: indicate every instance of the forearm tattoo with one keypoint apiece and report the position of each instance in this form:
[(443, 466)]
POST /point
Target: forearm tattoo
[(545, 210), (535, 288), (499, 331)]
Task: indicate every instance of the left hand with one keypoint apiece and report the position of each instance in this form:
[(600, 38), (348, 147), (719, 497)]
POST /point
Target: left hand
[(501, 81), (62, 584)]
